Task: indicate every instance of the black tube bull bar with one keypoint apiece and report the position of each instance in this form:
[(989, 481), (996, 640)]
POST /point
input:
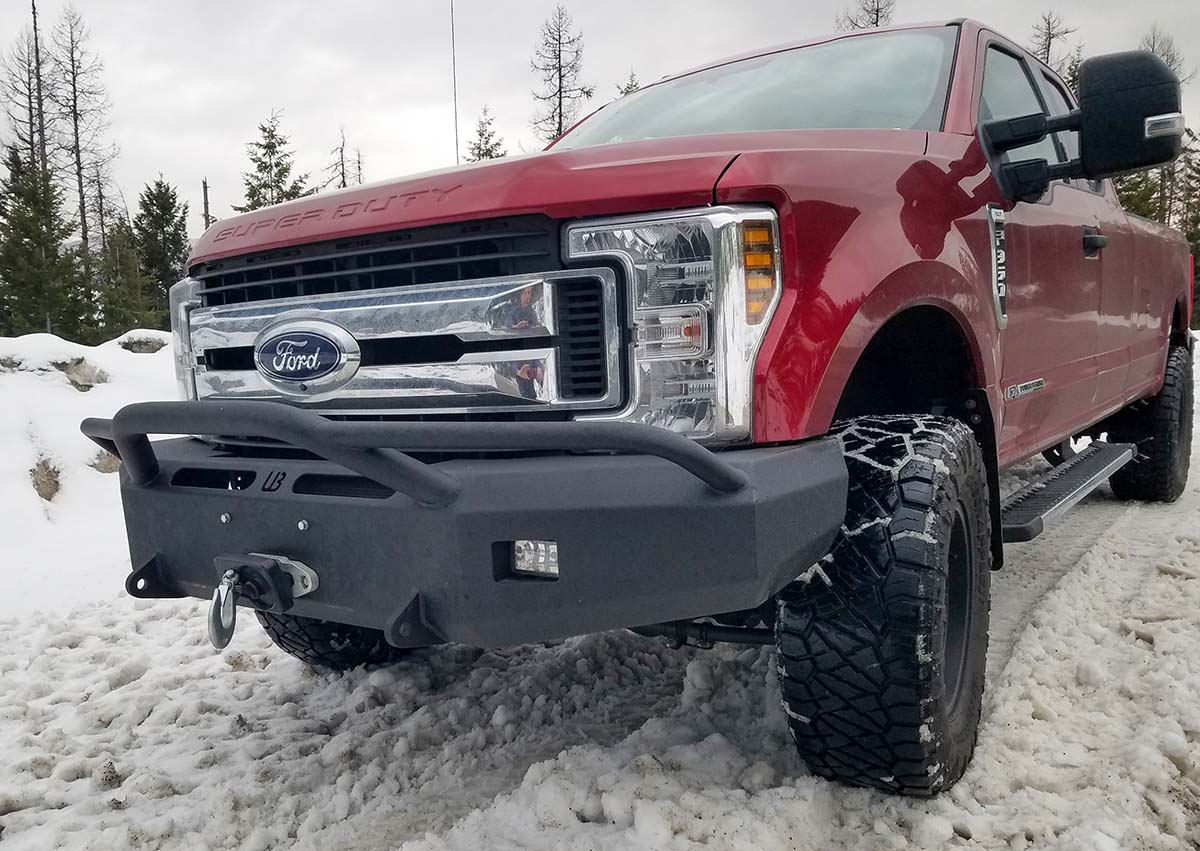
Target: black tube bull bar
[(377, 450)]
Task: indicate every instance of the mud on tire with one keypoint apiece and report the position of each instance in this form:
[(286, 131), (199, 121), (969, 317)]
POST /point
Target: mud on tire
[(1162, 429), (324, 644), (882, 644)]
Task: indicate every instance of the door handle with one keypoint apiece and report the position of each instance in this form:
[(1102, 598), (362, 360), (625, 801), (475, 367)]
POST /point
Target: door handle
[(1093, 242)]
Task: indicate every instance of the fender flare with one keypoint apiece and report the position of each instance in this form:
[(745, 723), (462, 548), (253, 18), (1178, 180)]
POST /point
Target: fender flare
[(918, 284)]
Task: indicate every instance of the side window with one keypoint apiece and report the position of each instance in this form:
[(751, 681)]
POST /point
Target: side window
[(1007, 93), (1057, 101)]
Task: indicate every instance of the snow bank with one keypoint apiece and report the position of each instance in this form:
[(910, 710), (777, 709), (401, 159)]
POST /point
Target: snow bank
[(121, 728), (66, 550)]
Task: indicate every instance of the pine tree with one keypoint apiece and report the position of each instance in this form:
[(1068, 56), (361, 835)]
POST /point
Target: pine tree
[(1189, 204), (559, 61), (160, 235), (866, 15), (486, 145), (270, 180), (1139, 194), (38, 274), (629, 86), (128, 298), (1070, 69), (1047, 32)]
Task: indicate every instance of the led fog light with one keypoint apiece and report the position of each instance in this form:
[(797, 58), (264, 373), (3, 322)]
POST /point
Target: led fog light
[(535, 558)]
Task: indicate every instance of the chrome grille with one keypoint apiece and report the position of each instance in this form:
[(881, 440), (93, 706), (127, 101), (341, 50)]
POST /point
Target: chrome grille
[(422, 256), (534, 343)]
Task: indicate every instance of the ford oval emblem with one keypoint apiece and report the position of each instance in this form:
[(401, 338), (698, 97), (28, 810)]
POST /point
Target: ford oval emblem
[(306, 356)]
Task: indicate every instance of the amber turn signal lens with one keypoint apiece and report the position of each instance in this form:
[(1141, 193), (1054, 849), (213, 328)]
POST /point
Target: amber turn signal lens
[(759, 269)]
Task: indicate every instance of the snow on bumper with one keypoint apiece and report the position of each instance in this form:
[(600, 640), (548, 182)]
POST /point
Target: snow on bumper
[(665, 531)]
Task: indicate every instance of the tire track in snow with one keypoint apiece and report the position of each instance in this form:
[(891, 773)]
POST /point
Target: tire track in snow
[(1031, 570)]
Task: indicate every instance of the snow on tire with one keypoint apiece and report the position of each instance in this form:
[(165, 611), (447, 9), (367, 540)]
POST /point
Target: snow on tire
[(324, 644), (883, 644)]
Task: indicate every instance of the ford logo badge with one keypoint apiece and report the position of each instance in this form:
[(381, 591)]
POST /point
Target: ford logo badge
[(306, 356)]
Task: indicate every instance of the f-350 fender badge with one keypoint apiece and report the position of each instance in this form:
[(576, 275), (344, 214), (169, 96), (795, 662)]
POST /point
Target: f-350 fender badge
[(995, 215)]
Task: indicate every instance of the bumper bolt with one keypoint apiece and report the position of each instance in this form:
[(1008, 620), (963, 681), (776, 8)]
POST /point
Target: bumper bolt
[(224, 518), (302, 525)]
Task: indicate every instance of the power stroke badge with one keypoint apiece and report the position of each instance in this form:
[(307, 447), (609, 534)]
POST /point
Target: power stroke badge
[(306, 356)]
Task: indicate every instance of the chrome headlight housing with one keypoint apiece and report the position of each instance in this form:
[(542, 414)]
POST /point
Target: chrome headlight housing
[(182, 298), (703, 286)]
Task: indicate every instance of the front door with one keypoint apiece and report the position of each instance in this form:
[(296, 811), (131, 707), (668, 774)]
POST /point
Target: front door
[(1049, 372)]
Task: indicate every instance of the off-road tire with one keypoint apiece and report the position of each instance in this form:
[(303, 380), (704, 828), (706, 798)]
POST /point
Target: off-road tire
[(1162, 429), (328, 645), (883, 643)]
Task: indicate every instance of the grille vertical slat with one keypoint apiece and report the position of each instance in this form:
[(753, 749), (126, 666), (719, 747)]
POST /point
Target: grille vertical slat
[(581, 346)]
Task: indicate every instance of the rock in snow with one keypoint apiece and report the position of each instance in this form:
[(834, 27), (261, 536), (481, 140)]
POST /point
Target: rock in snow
[(121, 728)]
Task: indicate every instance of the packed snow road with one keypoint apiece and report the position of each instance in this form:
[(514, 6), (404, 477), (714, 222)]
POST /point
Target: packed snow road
[(121, 728)]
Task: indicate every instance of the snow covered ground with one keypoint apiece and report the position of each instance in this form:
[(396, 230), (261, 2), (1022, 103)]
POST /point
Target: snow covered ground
[(121, 728)]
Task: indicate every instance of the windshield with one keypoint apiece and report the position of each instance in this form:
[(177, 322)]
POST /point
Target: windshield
[(877, 80)]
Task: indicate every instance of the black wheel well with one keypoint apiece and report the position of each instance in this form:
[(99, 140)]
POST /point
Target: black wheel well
[(920, 362), (1181, 334), (917, 363)]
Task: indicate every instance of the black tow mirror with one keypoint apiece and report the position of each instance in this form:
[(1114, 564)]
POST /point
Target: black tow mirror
[(1128, 119), (1130, 115)]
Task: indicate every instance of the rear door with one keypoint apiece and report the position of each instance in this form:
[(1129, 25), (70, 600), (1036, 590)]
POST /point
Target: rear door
[(1049, 365)]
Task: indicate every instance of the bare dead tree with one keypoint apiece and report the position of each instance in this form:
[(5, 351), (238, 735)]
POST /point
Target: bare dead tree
[(358, 166), (866, 15), (339, 169), (39, 68), (106, 204), (1162, 44), (19, 95), (1047, 32), (559, 61), (83, 106)]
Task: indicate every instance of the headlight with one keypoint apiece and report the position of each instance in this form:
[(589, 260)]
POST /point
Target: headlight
[(181, 300), (703, 286)]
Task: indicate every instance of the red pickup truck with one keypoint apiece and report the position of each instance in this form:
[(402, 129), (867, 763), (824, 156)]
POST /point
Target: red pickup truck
[(738, 358)]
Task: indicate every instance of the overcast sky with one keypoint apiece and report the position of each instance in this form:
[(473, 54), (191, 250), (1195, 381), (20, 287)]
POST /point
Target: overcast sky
[(190, 81)]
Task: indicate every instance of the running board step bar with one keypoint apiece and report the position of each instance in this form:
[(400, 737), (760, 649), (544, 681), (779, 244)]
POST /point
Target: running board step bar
[(1024, 514)]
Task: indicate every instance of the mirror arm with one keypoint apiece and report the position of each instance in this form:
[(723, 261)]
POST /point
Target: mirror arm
[(1028, 180), (1004, 134)]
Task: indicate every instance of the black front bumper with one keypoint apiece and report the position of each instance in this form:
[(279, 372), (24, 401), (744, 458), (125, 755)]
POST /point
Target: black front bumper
[(665, 531)]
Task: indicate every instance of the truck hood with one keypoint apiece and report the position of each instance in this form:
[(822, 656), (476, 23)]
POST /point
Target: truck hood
[(589, 181), (632, 177)]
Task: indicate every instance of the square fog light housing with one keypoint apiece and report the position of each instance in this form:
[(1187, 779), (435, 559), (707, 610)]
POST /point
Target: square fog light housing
[(535, 558)]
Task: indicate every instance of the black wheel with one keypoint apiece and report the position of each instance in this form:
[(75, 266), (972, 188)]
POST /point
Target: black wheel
[(1064, 451), (324, 644), (1162, 429), (883, 643)]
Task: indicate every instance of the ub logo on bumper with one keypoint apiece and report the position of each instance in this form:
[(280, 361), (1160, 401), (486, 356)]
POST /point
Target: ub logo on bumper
[(306, 356)]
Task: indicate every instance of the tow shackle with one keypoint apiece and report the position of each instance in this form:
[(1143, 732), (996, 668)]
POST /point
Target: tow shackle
[(268, 582)]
